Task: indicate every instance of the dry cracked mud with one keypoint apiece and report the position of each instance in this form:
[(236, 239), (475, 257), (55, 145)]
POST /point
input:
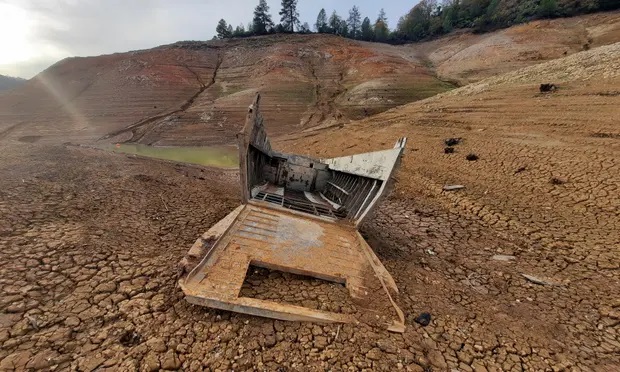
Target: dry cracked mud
[(89, 243)]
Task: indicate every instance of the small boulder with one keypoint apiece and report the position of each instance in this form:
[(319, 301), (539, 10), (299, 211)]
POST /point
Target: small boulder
[(423, 319)]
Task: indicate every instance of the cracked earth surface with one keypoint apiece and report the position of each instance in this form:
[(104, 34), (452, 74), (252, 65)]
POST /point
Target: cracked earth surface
[(89, 243)]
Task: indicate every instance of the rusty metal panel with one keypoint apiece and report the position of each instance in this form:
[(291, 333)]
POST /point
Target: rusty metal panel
[(278, 239), (377, 165)]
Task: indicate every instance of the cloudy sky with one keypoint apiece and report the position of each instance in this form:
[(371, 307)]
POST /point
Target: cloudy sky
[(36, 33)]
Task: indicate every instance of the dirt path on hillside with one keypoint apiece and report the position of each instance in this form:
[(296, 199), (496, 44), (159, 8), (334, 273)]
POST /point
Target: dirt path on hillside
[(135, 132)]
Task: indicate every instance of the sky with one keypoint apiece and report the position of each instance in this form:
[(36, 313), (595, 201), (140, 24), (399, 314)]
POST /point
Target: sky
[(35, 34)]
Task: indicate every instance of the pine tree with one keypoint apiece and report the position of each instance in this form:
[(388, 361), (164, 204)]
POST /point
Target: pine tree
[(239, 31), (547, 8), (354, 22), (289, 15), (334, 23), (382, 17), (223, 30), (381, 27), (367, 32), (321, 22), (262, 22)]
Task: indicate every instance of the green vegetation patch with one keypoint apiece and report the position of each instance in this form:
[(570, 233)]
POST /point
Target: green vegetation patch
[(212, 156)]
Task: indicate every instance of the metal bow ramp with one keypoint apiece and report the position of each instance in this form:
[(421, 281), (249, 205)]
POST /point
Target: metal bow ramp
[(263, 236)]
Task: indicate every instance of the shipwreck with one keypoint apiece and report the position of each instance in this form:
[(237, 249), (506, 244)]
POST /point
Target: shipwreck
[(298, 215)]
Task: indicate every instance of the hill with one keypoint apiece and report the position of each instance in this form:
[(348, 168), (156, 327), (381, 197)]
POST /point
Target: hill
[(9, 82), (197, 92), (466, 57), (193, 93)]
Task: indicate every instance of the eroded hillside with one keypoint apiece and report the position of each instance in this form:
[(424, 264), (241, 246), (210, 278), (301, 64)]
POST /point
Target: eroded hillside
[(196, 93), (464, 57)]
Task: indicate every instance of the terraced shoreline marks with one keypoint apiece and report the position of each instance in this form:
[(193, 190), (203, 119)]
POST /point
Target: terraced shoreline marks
[(143, 127)]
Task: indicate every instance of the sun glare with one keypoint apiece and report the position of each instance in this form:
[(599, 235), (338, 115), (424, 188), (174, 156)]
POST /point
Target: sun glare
[(15, 27)]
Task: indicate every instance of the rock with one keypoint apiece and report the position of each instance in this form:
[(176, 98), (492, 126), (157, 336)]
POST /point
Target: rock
[(42, 359), (423, 319), (387, 346), (16, 361), (129, 338), (453, 187), (452, 141), (156, 344), (415, 368), (4, 335), (472, 157), (151, 363), (316, 330), (270, 341), (72, 321), (158, 302), (437, 360), (105, 287), (90, 362), (503, 257), (536, 280), (374, 354), (320, 342), (170, 361), (465, 357), (267, 329), (478, 367)]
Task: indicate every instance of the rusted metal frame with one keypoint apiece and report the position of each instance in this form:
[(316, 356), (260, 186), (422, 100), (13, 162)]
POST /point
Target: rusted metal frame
[(355, 195), (294, 212), (361, 208), (297, 271), (234, 216), (386, 280), (252, 306), (359, 195), (338, 188)]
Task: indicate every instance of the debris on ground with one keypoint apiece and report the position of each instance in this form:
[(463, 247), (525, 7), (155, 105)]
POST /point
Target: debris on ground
[(130, 338), (557, 181), (521, 169), (536, 280), (453, 141), (423, 319), (448, 150), (547, 88), (472, 157), (453, 187), (503, 257)]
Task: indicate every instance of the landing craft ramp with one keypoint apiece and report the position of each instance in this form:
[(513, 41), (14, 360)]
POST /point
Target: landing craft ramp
[(299, 215)]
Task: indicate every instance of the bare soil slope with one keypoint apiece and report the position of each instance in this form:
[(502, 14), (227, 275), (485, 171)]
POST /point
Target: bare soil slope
[(544, 190), (198, 92), (464, 57), (193, 93)]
